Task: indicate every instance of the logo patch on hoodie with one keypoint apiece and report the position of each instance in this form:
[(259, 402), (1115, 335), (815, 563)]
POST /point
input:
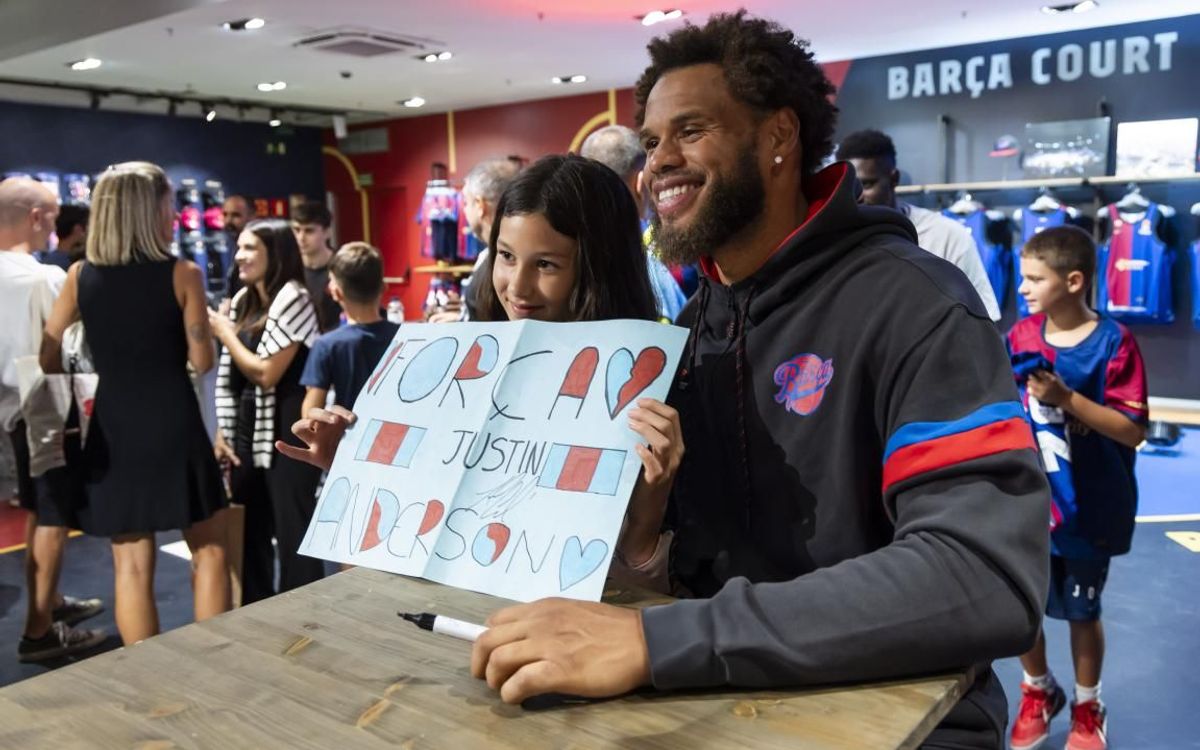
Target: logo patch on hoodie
[(802, 381)]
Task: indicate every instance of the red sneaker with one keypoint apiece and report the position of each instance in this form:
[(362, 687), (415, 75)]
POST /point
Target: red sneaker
[(1038, 707), (1089, 727)]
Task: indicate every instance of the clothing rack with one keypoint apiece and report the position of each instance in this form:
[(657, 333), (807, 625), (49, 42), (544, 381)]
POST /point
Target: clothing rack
[(1052, 182)]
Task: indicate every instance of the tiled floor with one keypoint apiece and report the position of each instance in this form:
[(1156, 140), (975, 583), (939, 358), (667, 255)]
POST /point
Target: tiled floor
[(1151, 614)]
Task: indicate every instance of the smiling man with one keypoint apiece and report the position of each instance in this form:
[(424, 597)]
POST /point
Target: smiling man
[(860, 498)]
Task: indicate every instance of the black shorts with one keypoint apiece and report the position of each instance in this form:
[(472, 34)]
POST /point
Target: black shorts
[(48, 497), (1075, 588)]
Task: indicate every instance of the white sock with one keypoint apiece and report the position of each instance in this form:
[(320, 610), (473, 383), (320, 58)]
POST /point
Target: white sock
[(1085, 694), (1045, 682)]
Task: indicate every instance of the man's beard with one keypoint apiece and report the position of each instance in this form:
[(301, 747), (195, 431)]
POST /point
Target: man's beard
[(735, 200)]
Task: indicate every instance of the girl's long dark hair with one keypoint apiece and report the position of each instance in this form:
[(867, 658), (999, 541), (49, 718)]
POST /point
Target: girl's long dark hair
[(586, 201), (283, 265)]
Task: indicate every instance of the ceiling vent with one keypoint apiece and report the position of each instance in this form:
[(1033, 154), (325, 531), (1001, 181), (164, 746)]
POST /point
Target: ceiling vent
[(359, 42)]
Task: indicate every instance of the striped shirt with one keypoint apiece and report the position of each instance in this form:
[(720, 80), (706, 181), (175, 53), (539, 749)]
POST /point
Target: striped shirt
[(291, 319)]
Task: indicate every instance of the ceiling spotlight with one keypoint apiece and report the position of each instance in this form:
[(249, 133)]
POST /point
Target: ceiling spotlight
[(436, 56), (569, 79), (244, 24), (416, 101), (210, 112), (658, 16), (276, 86), (274, 122), (445, 55), (1078, 7), (90, 63)]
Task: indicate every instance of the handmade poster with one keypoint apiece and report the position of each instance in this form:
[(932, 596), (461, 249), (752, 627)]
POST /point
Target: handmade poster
[(495, 457)]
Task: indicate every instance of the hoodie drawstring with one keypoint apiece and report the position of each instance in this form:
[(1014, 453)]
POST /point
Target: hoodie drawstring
[(743, 438), (693, 336)]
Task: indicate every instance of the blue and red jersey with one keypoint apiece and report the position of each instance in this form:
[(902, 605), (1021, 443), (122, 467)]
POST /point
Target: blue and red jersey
[(1134, 270), (1107, 368), (1033, 222), (1196, 283), (996, 256)]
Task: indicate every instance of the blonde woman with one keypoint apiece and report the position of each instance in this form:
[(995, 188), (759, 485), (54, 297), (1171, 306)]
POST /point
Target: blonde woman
[(148, 459)]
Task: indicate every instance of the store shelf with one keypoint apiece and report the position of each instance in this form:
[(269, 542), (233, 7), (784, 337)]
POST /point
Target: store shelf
[(1055, 182), (1177, 410), (466, 268)]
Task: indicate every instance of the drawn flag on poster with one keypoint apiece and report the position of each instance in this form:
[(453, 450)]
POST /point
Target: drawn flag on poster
[(495, 457), (575, 468), (389, 443)]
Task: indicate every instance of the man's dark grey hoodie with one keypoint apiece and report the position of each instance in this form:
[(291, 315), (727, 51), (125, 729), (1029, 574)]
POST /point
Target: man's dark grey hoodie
[(860, 498)]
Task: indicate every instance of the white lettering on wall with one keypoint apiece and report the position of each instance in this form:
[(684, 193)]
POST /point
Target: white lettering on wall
[(897, 82), (1136, 50), (1040, 76), (1070, 62), (1164, 42), (974, 83), (1000, 74), (1102, 58), (950, 74), (923, 80), (1134, 55)]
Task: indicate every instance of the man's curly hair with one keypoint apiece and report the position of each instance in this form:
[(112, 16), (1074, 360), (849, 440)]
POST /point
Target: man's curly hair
[(766, 67)]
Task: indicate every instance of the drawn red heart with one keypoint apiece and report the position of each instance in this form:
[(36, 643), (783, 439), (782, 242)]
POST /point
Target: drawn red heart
[(433, 514), (626, 377)]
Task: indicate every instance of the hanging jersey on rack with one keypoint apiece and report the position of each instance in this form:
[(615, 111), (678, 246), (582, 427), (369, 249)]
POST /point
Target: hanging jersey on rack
[(1196, 283), (1133, 269), (471, 246), (440, 218), (1033, 222), (996, 256)]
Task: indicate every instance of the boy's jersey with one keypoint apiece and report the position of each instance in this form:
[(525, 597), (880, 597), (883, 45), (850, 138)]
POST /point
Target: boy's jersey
[(1134, 270), (1107, 368), (1033, 222), (996, 257)]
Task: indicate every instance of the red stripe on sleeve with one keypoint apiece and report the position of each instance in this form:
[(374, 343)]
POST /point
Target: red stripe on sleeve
[(919, 458)]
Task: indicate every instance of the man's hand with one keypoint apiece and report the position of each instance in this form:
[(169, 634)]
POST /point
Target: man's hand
[(1048, 388), (321, 432), (562, 646)]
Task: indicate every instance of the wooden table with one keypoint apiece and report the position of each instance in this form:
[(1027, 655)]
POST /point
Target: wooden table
[(331, 666)]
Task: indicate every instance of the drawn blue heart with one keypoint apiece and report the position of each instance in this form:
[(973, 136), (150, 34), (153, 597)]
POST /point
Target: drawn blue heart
[(579, 562)]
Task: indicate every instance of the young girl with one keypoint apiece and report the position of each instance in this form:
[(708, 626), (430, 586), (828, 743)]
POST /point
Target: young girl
[(266, 340), (566, 246), (147, 458)]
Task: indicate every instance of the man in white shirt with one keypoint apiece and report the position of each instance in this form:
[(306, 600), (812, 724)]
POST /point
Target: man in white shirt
[(27, 292), (874, 158)]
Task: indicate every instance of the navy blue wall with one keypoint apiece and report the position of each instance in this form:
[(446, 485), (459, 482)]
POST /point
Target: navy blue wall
[(1172, 352), (35, 138)]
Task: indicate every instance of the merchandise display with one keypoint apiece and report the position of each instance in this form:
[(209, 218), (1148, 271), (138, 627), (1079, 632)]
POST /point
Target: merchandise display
[(1043, 213), (992, 234), (1133, 266)]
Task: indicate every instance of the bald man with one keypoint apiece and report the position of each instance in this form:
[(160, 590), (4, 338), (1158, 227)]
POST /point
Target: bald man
[(27, 292)]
